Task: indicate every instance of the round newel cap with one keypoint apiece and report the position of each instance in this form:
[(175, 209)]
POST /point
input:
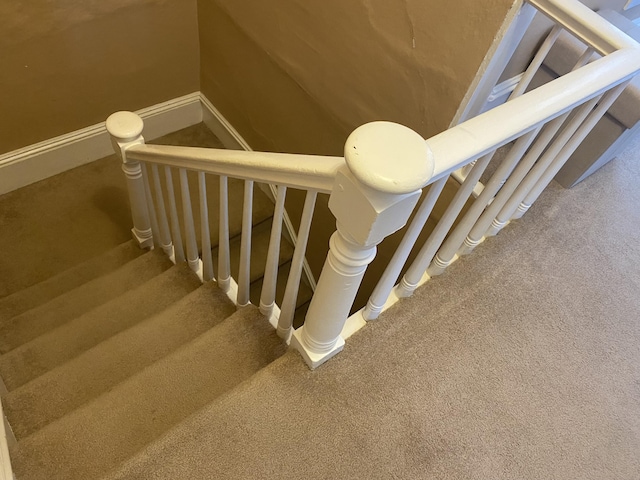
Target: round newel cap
[(124, 125), (389, 157)]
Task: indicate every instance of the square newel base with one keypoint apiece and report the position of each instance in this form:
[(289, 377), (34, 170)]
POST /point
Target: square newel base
[(312, 359), (143, 242)]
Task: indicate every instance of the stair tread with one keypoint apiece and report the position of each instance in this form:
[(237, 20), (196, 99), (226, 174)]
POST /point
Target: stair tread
[(304, 292), (85, 377), (261, 211), (28, 325), (58, 346), (184, 450), (260, 237), (142, 408), (74, 277)]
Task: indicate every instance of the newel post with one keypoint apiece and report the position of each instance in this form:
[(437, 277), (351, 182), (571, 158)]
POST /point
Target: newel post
[(125, 129), (372, 197)]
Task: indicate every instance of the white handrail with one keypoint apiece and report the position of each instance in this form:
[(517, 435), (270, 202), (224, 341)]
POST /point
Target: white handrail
[(376, 186), (307, 172), (456, 147), (586, 25)]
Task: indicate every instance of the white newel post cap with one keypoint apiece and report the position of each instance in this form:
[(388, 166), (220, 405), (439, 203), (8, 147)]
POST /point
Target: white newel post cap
[(389, 157), (124, 125)]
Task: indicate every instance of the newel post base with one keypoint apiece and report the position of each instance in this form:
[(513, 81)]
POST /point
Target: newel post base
[(125, 129), (312, 358), (372, 197)]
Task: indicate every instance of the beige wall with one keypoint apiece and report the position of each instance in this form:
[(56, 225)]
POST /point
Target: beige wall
[(294, 75), (299, 75), (68, 64)]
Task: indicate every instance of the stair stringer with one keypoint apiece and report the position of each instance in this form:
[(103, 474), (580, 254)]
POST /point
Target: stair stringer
[(232, 140), (6, 472)]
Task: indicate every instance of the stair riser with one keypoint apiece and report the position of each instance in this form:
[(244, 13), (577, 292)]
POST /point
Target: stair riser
[(48, 351), (139, 410)]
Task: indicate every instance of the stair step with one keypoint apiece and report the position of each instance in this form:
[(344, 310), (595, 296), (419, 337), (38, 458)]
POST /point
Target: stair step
[(41, 293), (260, 236), (105, 432), (304, 292), (58, 346), (201, 447), (261, 211), (85, 377), (28, 325), (301, 314)]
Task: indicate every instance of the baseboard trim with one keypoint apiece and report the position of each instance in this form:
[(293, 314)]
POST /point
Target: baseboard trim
[(505, 88), (31, 164), (6, 472), (42, 160)]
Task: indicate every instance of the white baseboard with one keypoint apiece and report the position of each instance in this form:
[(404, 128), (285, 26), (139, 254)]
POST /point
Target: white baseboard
[(42, 160), (504, 89)]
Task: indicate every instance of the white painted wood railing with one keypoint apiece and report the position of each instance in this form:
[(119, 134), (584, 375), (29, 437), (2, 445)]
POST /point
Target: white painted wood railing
[(6, 472), (377, 185), (538, 131)]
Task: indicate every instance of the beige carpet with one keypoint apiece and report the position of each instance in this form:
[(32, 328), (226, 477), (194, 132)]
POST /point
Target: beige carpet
[(110, 353), (72, 217), (522, 361)]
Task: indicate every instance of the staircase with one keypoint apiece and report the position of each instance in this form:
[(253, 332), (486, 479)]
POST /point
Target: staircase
[(128, 362), (105, 357)]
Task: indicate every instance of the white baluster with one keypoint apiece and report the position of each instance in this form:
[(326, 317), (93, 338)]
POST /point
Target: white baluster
[(125, 129), (447, 252), (371, 199), (178, 251), (244, 274), (507, 214), (163, 224), (561, 158), (190, 230), (476, 235), (153, 219), (387, 281), (415, 272), (289, 301), (534, 66), (268, 294), (524, 186), (224, 258), (207, 261)]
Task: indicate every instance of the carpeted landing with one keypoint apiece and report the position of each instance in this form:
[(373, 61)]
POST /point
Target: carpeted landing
[(521, 361)]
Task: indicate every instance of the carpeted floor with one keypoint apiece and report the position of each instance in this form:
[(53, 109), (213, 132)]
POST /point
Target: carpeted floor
[(521, 361), (72, 217)]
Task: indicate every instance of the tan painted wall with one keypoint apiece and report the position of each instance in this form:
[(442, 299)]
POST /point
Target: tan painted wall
[(299, 75), (68, 64)]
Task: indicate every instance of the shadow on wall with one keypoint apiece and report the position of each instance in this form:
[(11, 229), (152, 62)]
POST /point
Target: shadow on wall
[(299, 76)]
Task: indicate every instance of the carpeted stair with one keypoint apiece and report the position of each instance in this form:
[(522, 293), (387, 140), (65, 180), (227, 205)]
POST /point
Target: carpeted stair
[(100, 370), (105, 357)]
